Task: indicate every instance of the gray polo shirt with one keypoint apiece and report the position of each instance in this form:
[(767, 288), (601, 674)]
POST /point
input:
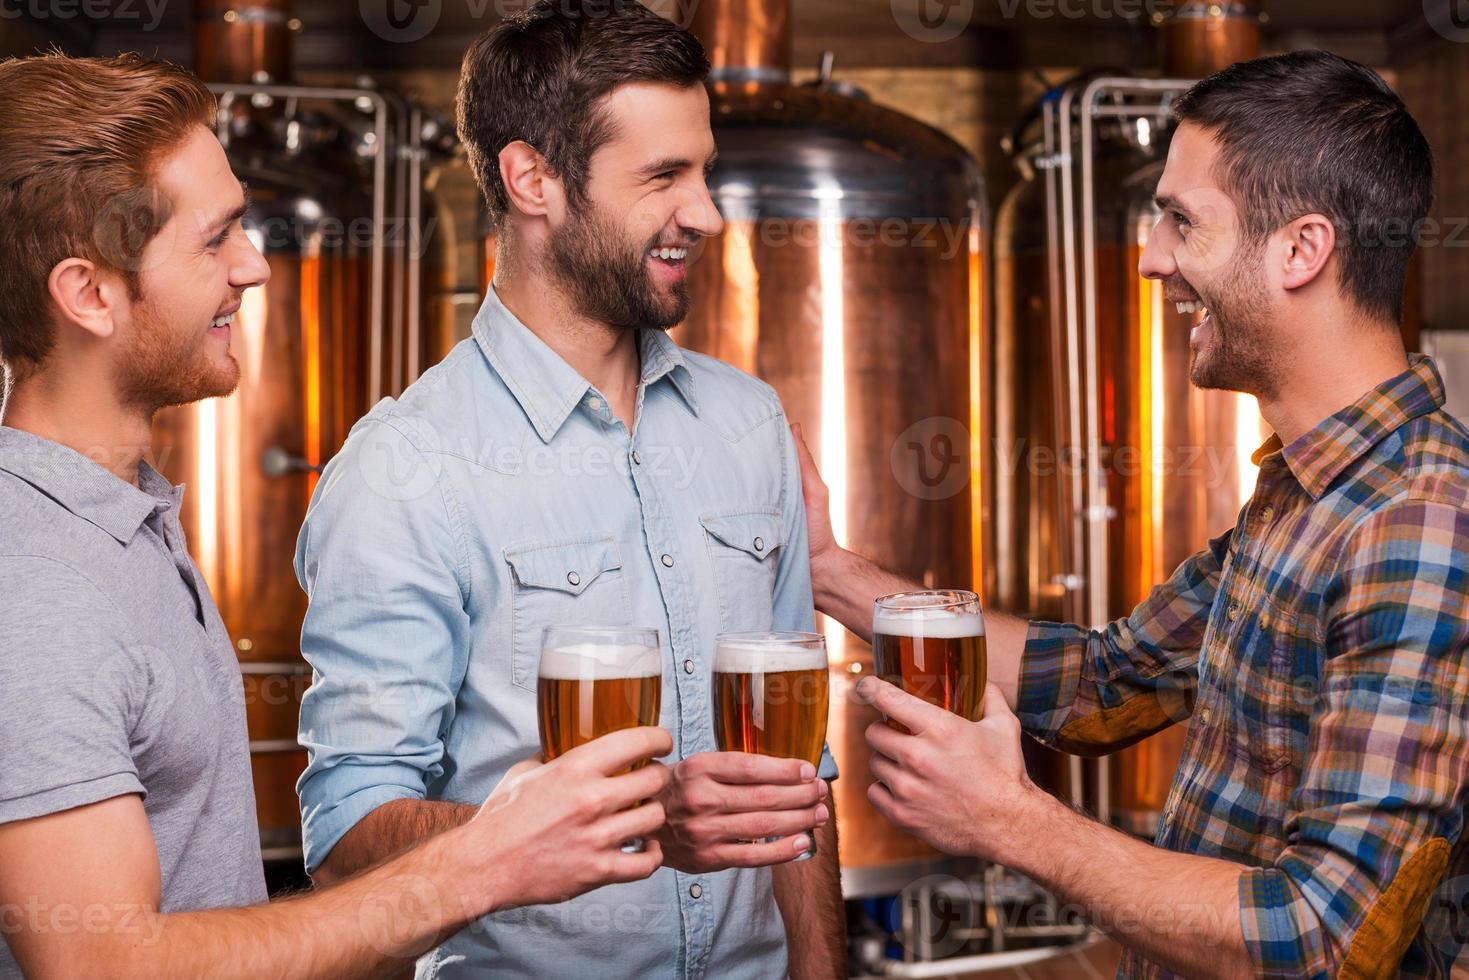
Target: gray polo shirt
[(116, 673)]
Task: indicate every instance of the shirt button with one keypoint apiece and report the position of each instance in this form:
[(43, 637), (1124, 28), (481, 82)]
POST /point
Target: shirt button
[(1204, 716), (1264, 621), (688, 666), (667, 561), (595, 404), (1233, 611), (695, 891), (573, 579), (636, 459), (1267, 515), (759, 544)]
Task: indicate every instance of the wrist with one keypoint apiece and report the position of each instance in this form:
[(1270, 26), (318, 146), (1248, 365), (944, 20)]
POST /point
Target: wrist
[(829, 569), (1035, 820)]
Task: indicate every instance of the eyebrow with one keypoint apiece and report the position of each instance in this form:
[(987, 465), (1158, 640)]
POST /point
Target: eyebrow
[(674, 163), (233, 216), (1167, 202)]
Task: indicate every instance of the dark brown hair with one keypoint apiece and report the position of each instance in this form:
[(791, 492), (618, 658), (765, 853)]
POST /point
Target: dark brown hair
[(540, 77), (1311, 132)]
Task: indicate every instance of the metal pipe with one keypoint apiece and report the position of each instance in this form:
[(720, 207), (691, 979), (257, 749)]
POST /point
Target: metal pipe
[(1076, 435), (379, 199)]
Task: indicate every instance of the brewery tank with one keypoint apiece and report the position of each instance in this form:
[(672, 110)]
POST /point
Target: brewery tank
[(849, 277), (331, 330), (1172, 466)]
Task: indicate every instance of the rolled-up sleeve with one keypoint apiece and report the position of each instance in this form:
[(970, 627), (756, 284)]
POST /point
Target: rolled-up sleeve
[(793, 608), (1380, 804), (381, 557), (1091, 692)]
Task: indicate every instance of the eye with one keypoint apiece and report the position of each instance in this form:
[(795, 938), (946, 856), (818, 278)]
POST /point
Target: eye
[(219, 239), (666, 175), (1179, 219)]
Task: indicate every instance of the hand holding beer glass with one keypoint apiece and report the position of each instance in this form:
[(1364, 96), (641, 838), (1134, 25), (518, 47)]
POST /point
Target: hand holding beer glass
[(770, 697), (594, 681), (931, 645)]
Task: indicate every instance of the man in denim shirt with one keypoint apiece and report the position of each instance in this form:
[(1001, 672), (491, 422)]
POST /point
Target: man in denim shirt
[(569, 464)]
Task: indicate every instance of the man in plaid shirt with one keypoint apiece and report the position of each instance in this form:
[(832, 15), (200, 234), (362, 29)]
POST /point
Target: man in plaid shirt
[(1317, 650)]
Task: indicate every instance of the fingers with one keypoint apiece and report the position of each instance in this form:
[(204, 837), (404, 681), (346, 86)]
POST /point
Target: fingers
[(636, 867), (882, 737), (619, 750), (753, 799), (994, 704), (640, 784), (888, 773), (759, 854), (743, 768), (625, 825), (810, 475), (916, 714), (729, 828)]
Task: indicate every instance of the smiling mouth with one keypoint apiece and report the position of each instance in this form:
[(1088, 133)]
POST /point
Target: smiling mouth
[(224, 319), (1191, 307), (669, 253)]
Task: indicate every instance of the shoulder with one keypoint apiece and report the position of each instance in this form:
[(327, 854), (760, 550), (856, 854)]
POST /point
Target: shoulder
[(730, 399), (1423, 464)]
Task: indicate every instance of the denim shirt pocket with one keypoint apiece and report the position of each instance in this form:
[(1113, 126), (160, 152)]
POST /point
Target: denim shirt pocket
[(562, 583), (741, 546)]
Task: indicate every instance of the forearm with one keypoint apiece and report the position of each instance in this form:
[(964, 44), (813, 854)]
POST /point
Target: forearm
[(366, 927), (389, 830), (1177, 910), (809, 895)]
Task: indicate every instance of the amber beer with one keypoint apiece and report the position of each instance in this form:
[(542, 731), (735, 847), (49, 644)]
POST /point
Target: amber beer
[(931, 644), (594, 681), (770, 696)]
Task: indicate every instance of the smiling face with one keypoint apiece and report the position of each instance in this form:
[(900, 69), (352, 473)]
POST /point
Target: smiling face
[(622, 256), (1211, 268), (174, 341)]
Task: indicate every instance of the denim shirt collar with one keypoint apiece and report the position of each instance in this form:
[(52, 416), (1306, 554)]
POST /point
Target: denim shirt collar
[(546, 387)]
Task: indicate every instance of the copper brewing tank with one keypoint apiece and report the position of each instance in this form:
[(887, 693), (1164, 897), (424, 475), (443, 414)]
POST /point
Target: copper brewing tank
[(1172, 465), (250, 461), (1199, 37), (849, 277)]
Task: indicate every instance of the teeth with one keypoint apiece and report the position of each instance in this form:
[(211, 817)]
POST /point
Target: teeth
[(1191, 307), (223, 321), (670, 254)]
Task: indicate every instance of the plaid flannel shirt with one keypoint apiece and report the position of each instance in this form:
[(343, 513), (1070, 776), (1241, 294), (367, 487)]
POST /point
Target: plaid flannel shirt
[(1319, 653)]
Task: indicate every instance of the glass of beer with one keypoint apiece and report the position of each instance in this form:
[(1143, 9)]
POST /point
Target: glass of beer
[(595, 680), (931, 644), (770, 696)]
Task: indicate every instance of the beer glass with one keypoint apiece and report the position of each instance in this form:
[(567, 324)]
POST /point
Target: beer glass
[(770, 696), (931, 644), (595, 680)]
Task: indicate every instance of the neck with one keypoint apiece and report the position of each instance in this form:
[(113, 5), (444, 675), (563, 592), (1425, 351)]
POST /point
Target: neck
[(85, 416), (605, 355), (1338, 367)]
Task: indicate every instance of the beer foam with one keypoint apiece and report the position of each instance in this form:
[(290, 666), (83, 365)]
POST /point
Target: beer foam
[(921, 623), (600, 662), (747, 657)]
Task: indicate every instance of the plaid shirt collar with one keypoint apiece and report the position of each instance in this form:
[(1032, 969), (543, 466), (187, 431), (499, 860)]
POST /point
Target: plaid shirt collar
[(1317, 458)]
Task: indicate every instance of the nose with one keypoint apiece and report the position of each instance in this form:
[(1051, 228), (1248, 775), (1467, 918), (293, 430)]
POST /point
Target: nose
[(699, 214), (1157, 258), (249, 267)]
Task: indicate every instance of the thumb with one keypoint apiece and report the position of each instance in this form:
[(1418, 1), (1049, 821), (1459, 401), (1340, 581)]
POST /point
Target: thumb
[(993, 704)]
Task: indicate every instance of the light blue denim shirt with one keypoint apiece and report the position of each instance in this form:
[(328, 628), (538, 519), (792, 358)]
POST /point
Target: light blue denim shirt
[(499, 495)]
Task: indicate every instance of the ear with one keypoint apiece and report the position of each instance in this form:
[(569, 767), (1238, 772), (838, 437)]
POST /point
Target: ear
[(85, 296), (1309, 241), (530, 185)]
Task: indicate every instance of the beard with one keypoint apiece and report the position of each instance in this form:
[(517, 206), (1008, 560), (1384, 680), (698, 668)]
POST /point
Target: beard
[(165, 366), (1238, 356), (607, 277)]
